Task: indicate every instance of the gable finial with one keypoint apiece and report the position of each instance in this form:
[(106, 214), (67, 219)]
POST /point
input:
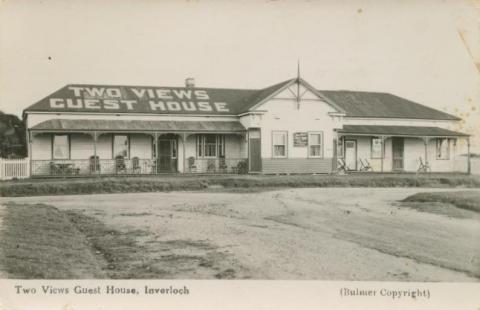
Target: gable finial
[(298, 84), (298, 69)]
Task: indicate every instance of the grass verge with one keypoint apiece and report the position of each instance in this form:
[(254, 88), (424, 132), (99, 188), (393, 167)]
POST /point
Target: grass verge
[(467, 200), (120, 253), (251, 182), (40, 242)]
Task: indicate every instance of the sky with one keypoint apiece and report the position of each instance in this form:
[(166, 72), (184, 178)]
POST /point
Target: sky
[(425, 51)]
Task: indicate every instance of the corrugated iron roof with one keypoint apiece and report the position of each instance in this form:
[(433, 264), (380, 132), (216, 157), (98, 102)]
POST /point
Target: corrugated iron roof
[(382, 105), (400, 131), (138, 125), (237, 101)]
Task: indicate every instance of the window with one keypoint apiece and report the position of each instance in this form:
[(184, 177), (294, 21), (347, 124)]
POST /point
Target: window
[(61, 147), (120, 146), (279, 141), (376, 148), (443, 148), (210, 146), (315, 144), (340, 147)]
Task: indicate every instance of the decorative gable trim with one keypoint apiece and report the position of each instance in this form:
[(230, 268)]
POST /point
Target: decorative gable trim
[(304, 84)]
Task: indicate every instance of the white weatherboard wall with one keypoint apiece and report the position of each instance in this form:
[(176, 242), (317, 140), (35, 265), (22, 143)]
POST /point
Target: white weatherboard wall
[(235, 146), (141, 146), (414, 148), (104, 146), (364, 153), (41, 147), (81, 146), (283, 113)]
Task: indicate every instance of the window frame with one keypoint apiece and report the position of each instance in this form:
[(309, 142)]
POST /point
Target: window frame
[(68, 157), (438, 146), (321, 144), (285, 133), (201, 146), (382, 149), (128, 145)]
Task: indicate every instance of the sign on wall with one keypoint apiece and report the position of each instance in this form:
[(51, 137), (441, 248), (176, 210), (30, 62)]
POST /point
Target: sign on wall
[(300, 139)]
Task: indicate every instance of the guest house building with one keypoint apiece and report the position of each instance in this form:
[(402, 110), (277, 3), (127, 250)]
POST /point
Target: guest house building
[(289, 127)]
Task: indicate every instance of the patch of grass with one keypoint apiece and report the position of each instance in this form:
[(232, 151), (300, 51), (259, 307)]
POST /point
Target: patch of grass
[(127, 258), (135, 214), (441, 208), (226, 274), (120, 251), (39, 242), (238, 183), (468, 200)]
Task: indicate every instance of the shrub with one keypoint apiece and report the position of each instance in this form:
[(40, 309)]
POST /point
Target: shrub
[(242, 166)]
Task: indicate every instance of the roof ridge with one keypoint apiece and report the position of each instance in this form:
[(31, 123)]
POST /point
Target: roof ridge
[(157, 86), (354, 91)]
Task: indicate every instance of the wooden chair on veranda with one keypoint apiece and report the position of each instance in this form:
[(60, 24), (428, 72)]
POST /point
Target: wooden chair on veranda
[(94, 164), (365, 165), (423, 167), (120, 165), (342, 166), (136, 165)]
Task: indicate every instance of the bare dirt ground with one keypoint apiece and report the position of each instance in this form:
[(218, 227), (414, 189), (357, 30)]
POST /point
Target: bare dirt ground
[(321, 234)]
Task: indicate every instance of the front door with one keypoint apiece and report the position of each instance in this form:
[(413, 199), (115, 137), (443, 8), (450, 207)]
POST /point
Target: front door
[(351, 154), (254, 151), (167, 155), (397, 153)]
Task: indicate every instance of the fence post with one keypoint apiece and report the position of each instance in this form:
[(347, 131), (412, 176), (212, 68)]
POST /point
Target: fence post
[(1, 169)]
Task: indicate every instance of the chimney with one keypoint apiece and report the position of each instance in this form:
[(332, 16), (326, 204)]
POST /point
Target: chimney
[(189, 82)]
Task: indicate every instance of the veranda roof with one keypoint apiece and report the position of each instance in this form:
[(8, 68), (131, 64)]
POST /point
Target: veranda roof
[(400, 131), (138, 125)]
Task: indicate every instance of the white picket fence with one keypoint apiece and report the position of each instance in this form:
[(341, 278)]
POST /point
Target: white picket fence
[(14, 168)]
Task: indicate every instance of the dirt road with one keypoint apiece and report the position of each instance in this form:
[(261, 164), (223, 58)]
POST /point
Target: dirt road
[(321, 234)]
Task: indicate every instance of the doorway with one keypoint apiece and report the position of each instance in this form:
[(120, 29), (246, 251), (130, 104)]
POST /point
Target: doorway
[(254, 150), (351, 154), (167, 155), (397, 153)]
